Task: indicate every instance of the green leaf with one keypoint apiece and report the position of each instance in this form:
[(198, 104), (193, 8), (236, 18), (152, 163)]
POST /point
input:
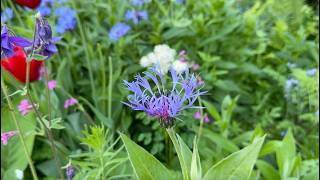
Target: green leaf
[(184, 153), (196, 171), (286, 154), (267, 170), (212, 110), (145, 165), (237, 166), (221, 141), (270, 147)]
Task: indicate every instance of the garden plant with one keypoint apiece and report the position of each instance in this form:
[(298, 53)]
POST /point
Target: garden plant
[(160, 89)]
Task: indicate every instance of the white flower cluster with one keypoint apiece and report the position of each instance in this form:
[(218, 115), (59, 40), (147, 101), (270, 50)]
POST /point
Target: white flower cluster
[(164, 57)]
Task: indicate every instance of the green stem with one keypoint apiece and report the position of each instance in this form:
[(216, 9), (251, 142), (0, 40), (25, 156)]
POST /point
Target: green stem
[(103, 75), (110, 96), (201, 121), (5, 92)]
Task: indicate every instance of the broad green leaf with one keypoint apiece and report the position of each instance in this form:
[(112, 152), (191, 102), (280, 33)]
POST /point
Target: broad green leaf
[(267, 171), (196, 171), (286, 154), (237, 166), (144, 164), (270, 147), (184, 153), (212, 110)]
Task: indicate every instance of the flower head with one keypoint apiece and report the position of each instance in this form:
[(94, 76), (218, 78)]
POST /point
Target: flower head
[(180, 1), (66, 19), (118, 30), (6, 15), (167, 102), (24, 107), (291, 83), (17, 66), (52, 84), (44, 10), (6, 136), (44, 42), (29, 3), (311, 72), (8, 42), (19, 174), (180, 66), (70, 102), (136, 16), (70, 172), (197, 116)]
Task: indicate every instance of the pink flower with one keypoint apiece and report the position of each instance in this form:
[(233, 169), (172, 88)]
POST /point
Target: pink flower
[(24, 107), (6, 136), (195, 67), (52, 84), (206, 118), (70, 102), (197, 115)]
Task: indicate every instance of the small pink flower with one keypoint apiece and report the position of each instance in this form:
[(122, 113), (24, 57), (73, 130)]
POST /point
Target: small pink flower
[(206, 118), (195, 67), (70, 102), (52, 84), (197, 115), (24, 107), (6, 136)]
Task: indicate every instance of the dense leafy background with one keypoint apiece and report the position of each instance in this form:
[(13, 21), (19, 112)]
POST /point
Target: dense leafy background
[(244, 49)]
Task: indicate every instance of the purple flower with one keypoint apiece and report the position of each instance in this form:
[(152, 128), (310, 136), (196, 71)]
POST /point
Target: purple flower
[(311, 72), (118, 30), (70, 102), (24, 107), (136, 16), (164, 104), (66, 21), (8, 42), (197, 115), (206, 118), (138, 2), (52, 84), (70, 172), (6, 15), (44, 42), (6, 136)]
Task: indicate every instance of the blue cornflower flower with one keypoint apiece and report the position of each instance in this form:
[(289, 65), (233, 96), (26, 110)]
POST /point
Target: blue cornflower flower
[(6, 15), (136, 16), (311, 72), (66, 21), (138, 2), (164, 104), (8, 42), (118, 30)]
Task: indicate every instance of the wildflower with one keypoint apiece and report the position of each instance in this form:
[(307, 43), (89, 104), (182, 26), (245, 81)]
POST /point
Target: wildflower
[(29, 3), (195, 67), (66, 19), (138, 2), (180, 1), (291, 83), (136, 16), (17, 66), (8, 42), (197, 115), (118, 30), (19, 174), (52, 84), (162, 57), (311, 72), (70, 102), (24, 107), (164, 104), (183, 55), (44, 43), (6, 15), (44, 10), (180, 66), (6, 136), (206, 118), (70, 172)]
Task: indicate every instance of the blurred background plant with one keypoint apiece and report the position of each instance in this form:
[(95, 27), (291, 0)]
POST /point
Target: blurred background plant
[(258, 59)]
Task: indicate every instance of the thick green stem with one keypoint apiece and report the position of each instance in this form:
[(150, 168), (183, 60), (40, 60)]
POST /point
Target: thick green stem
[(20, 133)]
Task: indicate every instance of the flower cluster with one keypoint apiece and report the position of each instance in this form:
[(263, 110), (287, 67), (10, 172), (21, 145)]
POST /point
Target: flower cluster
[(136, 16), (52, 84), (24, 107), (138, 2), (164, 57), (197, 116), (70, 102), (167, 102)]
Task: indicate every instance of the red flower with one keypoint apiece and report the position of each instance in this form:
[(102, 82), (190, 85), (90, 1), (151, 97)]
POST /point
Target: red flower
[(17, 66), (29, 3)]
